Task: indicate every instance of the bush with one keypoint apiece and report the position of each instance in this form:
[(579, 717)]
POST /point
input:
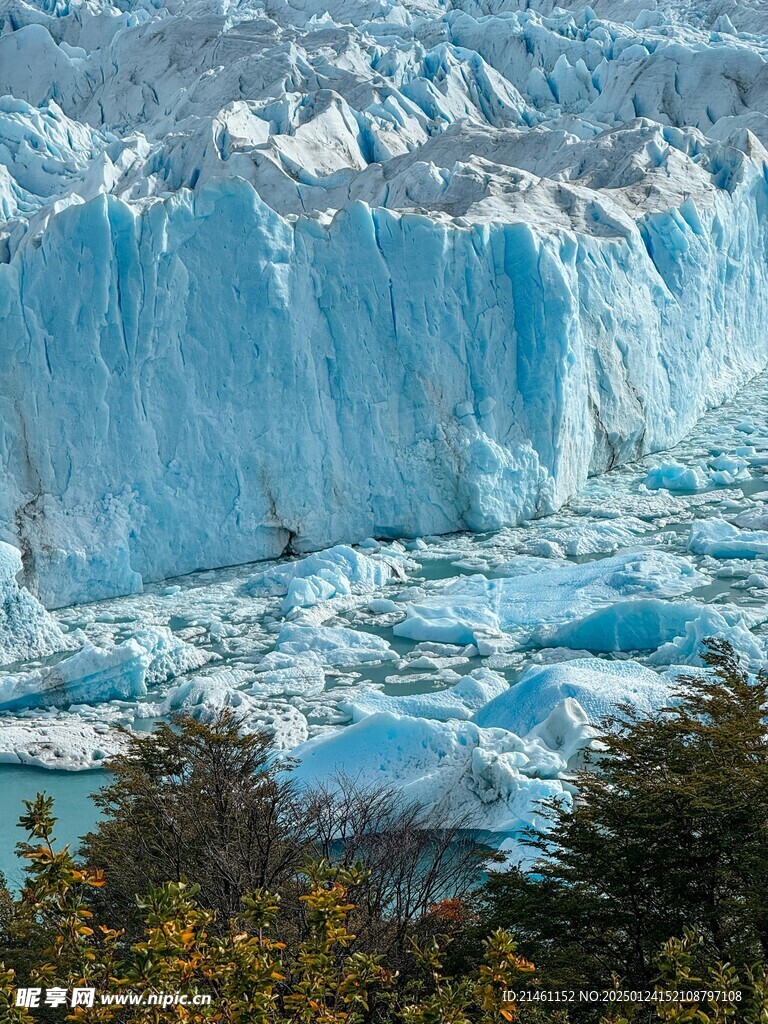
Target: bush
[(252, 975)]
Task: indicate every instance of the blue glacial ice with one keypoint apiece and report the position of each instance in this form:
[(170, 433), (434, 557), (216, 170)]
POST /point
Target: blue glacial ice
[(593, 683), (528, 609), (516, 751), (99, 674), (335, 270), (27, 630), (337, 572)]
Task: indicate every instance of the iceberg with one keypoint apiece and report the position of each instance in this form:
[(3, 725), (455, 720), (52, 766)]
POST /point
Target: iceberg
[(461, 701), (64, 742), (336, 572), (598, 687), (27, 630), (518, 750), (345, 270), (720, 539), (490, 778), (100, 674), (527, 609), (673, 476)]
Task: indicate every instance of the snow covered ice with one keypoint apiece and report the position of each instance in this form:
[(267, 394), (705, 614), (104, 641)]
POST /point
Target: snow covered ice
[(422, 301)]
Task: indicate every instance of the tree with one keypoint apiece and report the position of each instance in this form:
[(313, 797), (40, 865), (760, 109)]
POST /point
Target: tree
[(251, 976), (670, 829), (415, 864), (201, 802), (216, 807)]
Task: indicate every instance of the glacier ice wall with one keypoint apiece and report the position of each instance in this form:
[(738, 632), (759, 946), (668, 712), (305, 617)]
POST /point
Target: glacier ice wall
[(278, 276)]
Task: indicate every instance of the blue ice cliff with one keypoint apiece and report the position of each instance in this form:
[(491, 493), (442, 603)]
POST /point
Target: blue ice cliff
[(279, 275)]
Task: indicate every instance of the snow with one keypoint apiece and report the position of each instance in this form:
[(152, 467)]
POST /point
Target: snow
[(331, 271)]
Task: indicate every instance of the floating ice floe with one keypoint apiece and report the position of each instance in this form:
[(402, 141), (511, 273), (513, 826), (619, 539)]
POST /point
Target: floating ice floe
[(99, 674), (754, 518), (518, 750), (674, 476), (335, 572), (720, 539), (598, 686), (67, 742), (456, 702), (728, 469), (327, 646), (723, 623), (533, 606), (204, 696), (302, 680), (645, 624), (577, 539)]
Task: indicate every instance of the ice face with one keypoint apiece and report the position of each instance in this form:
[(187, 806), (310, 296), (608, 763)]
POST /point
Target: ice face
[(344, 269)]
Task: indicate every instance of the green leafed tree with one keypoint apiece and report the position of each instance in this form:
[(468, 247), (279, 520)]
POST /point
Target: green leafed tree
[(670, 830)]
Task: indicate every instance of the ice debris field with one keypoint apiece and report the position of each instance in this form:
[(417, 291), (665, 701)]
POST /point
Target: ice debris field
[(278, 278), (469, 671)]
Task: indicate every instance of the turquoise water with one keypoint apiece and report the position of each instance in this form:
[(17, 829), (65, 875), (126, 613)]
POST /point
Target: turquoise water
[(70, 790)]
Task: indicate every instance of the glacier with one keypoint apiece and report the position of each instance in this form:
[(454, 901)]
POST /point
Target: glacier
[(277, 276)]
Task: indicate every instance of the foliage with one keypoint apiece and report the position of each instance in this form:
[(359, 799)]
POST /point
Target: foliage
[(669, 837), (670, 830), (211, 804), (196, 801), (251, 975)]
